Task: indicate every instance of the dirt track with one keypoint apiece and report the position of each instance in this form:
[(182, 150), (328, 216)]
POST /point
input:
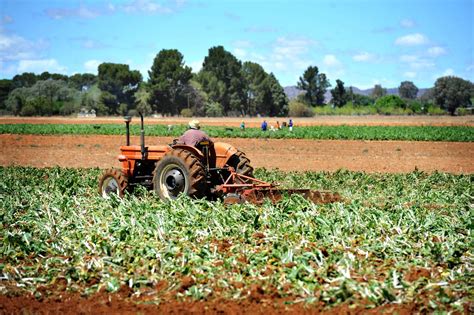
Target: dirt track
[(287, 155)]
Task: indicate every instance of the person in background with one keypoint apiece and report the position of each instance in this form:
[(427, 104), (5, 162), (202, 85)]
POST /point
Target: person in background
[(242, 126), (193, 135), (290, 124), (264, 125), (278, 127)]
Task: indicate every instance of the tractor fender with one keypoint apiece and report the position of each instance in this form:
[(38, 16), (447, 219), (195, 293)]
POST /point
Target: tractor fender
[(223, 153), (195, 151)]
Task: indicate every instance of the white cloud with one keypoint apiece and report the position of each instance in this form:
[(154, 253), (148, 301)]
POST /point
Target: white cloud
[(80, 12), (436, 51), (407, 23), (6, 19), (410, 74), (260, 29), (448, 71), (91, 66), (331, 61), (41, 65), (242, 44), (364, 57), (291, 48), (132, 6), (416, 62), (196, 65), (408, 58), (287, 54), (92, 44), (149, 7), (412, 40), (14, 47), (240, 53), (422, 64), (111, 7), (332, 66)]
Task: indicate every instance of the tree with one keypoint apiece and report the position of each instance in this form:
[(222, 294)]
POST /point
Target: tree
[(221, 78), (428, 98), (197, 98), (17, 99), (142, 97), (315, 85), (45, 97), (82, 81), (52, 76), (452, 92), (339, 95), (277, 97), (6, 86), (408, 90), (118, 84), (264, 94), (254, 76), (26, 79), (378, 92), (362, 100), (168, 82), (91, 99)]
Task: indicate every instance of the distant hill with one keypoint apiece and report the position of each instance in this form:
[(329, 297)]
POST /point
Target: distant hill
[(292, 92)]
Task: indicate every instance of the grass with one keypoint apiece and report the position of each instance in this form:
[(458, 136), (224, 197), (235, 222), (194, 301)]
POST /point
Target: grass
[(412, 133), (396, 238)]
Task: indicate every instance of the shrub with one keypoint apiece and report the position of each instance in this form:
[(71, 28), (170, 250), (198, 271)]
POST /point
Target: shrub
[(463, 111), (391, 104), (133, 113), (214, 109), (187, 112), (299, 109), (348, 109), (435, 110), (28, 110)]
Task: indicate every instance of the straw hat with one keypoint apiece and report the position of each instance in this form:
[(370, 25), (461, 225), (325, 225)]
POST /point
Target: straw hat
[(194, 124)]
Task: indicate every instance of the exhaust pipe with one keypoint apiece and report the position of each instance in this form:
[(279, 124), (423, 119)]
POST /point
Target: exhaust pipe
[(127, 119), (142, 137)]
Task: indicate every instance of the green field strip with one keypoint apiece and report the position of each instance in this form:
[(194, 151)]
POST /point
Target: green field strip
[(343, 132)]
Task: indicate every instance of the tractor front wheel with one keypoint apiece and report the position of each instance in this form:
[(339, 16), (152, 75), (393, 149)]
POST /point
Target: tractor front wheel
[(113, 181), (179, 172)]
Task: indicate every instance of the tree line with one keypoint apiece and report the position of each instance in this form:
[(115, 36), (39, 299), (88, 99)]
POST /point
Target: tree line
[(224, 86), (449, 93)]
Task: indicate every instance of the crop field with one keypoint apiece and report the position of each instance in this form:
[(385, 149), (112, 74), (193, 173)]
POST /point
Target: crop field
[(396, 242), (399, 241), (410, 133)]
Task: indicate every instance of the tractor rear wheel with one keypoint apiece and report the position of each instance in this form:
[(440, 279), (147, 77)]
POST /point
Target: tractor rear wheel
[(241, 163), (179, 172), (111, 182)]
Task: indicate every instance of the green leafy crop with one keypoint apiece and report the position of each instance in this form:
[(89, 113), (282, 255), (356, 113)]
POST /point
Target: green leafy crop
[(395, 238), (343, 132)]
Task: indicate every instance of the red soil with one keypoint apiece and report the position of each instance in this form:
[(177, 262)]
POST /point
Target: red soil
[(120, 303), (284, 154)]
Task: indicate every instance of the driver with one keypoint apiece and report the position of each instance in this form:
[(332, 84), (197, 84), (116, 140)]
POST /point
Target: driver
[(193, 135)]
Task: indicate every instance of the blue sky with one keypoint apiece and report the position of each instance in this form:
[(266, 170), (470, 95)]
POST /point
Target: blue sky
[(360, 42)]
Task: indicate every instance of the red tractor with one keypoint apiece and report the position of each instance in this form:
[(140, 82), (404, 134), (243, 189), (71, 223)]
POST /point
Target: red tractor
[(209, 170)]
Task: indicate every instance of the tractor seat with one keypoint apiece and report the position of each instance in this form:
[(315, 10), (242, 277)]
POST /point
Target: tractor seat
[(204, 146)]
